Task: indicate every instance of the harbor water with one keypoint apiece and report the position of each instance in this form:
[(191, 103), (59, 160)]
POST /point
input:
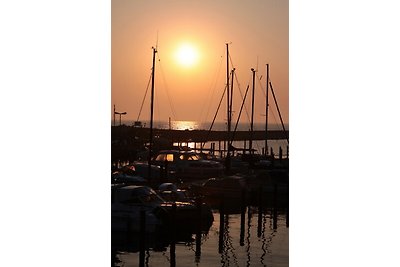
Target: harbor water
[(250, 237), (269, 247)]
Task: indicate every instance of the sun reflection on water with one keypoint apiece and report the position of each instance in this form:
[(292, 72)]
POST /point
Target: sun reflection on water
[(184, 125)]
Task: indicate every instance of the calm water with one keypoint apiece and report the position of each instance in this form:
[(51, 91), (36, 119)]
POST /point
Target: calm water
[(271, 248)]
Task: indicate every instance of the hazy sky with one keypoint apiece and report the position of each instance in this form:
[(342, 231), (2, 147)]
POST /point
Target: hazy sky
[(189, 85)]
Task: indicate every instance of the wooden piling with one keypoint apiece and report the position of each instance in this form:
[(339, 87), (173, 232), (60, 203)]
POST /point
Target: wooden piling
[(225, 147), (280, 154)]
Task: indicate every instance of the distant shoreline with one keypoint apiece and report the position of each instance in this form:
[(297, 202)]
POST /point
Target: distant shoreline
[(124, 132), (194, 125)]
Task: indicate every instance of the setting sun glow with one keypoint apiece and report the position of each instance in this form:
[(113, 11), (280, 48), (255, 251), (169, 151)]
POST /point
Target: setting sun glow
[(186, 55)]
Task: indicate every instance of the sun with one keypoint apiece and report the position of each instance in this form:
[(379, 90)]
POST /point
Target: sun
[(186, 55)]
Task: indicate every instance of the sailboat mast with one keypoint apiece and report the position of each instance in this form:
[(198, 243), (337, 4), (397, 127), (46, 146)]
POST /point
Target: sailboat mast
[(228, 163), (252, 114), (279, 113), (151, 110), (231, 100), (227, 89), (266, 113)]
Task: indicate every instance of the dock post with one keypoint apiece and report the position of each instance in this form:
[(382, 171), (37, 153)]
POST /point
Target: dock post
[(219, 148), (223, 153), (280, 154), (272, 156), (142, 241)]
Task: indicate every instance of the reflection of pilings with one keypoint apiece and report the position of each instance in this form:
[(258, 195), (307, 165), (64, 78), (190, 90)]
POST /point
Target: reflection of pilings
[(221, 226), (275, 215), (228, 244), (198, 229), (147, 258), (260, 211), (113, 257), (173, 235), (198, 247), (142, 240), (242, 218), (264, 245), (248, 236), (224, 254), (287, 217)]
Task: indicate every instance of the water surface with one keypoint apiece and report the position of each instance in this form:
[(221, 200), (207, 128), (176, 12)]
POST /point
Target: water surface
[(270, 248)]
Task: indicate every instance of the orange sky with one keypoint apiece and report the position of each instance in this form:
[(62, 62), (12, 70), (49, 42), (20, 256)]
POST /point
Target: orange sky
[(258, 32)]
